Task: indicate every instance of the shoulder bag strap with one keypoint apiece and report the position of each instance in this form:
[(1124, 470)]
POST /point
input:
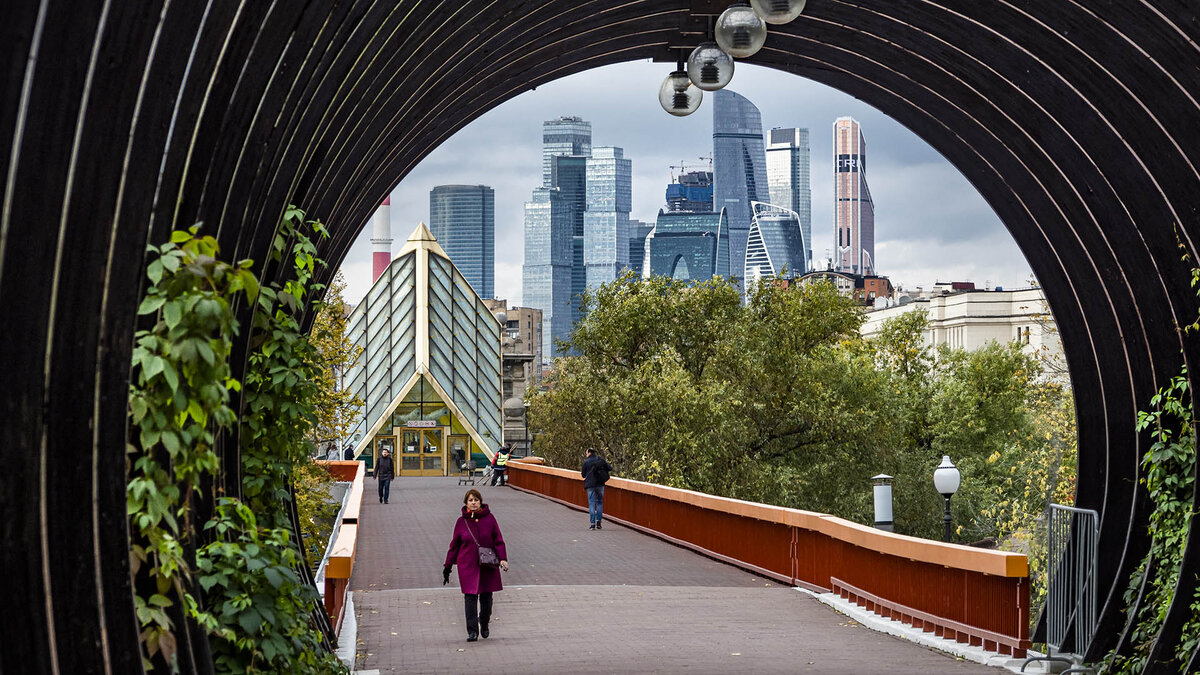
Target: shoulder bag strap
[(467, 522)]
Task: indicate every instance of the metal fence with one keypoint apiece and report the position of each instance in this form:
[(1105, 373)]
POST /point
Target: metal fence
[(1071, 587)]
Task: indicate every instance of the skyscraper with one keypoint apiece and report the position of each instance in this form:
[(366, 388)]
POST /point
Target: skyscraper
[(854, 212), (739, 167), (546, 275), (689, 246), (564, 136), (788, 178), (463, 220), (776, 244), (606, 220), (692, 192), (568, 173)]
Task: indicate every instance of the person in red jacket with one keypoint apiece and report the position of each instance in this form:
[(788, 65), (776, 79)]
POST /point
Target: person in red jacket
[(476, 527)]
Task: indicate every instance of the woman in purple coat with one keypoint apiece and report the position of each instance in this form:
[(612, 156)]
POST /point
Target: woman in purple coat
[(476, 527)]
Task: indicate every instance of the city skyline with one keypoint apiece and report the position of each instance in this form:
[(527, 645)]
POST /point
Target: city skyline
[(932, 225)]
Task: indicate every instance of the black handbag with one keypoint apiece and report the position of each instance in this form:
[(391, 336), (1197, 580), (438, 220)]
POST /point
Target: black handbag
[(487, 554)]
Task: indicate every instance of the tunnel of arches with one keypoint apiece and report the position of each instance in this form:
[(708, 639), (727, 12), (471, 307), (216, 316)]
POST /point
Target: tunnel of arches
[(1075, 120)]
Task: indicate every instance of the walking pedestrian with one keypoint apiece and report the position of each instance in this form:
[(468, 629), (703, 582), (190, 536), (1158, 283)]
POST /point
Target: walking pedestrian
[(477, 547), (385, 471), (595, 473), (500, 464)]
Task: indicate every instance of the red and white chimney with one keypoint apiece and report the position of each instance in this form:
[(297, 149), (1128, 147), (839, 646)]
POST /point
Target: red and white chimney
[(381, 239)]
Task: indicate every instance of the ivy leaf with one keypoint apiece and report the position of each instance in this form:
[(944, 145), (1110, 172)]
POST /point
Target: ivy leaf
[(150, 304), (273, 577), (250, 620), (172, 312)]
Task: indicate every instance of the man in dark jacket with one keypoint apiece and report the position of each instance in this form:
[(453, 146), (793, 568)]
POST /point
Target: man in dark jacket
[(595, 474), (385, 471)]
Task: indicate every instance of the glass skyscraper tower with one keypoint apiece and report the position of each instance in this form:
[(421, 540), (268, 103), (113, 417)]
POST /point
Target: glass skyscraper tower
[(606, 220), (688, 246), (776, 246), (546, 275), (568, 173), (788, 178), (564, 136), (854, 212), (463, 220), (739, 168)]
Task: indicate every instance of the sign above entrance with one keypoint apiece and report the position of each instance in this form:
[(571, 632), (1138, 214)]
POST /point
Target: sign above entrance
[(423, 424)]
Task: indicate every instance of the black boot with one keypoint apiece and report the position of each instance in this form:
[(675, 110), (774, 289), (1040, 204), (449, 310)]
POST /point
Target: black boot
[(485, 613), (471, 606)]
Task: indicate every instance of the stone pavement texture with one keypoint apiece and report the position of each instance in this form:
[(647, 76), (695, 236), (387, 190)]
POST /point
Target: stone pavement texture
[(581, 601)]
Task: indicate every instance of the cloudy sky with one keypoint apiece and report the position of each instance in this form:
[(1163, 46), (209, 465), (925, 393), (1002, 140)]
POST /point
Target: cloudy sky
[(930, 224)]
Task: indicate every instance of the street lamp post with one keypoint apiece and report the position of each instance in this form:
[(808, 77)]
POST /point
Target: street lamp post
[(528, 441), (946, 479)]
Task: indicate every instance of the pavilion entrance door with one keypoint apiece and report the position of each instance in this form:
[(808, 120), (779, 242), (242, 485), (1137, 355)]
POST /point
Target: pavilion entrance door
[(422, 452)]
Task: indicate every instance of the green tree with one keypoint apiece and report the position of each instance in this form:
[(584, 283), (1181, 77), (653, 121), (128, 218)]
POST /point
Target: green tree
[(338, 408)]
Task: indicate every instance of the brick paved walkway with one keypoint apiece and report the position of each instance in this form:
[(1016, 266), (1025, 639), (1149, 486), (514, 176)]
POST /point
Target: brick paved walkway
[(613, 601)]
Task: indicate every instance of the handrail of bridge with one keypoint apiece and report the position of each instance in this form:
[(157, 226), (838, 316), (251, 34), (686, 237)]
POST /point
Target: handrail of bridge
[(340, 562), (967, 594)]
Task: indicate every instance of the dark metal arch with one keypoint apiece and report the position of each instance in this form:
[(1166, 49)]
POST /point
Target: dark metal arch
[(1075, 119)]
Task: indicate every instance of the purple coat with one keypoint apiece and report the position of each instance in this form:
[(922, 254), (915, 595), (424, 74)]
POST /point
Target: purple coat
[(465, 552)]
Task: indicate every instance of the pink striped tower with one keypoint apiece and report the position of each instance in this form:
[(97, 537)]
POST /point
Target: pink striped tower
[(381, 239)]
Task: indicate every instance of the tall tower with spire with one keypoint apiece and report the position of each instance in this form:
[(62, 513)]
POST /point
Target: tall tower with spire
[(853, 211)]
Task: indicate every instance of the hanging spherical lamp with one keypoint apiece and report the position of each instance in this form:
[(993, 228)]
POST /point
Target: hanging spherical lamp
[(678, 95), (710, 68), (777, 12), (740, 32)]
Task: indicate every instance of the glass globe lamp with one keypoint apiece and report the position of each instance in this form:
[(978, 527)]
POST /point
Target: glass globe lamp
[(678, 95), (740, 32), (778, 12), (710, 68)]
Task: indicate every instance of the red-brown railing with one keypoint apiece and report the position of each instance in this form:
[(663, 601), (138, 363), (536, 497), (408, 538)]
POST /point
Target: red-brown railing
[(340, 563), (967, 594)]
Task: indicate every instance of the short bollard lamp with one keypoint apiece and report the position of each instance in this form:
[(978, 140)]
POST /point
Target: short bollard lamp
[(883, 502), (946, 479)]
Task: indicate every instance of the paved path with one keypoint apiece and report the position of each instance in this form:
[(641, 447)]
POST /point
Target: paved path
[(613, 601)]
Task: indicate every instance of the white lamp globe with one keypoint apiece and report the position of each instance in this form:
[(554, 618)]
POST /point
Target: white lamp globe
[(778, 12), (678, 95), (740, 32), (946, 477), (710, 68)]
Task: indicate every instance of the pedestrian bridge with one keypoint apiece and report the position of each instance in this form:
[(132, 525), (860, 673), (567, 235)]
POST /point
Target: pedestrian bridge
[(618, 600)]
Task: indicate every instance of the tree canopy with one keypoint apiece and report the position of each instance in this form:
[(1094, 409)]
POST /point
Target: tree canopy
[(779, 399)]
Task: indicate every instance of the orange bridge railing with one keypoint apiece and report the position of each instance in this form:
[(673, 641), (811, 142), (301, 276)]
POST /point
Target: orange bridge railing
[(339, 563), (970, 595)]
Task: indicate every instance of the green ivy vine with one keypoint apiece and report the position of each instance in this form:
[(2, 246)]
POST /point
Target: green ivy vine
[(250, 572), (1168, 468), (179, 395), (256, 606)]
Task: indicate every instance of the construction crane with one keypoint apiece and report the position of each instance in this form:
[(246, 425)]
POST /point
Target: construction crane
[(683, 166)]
